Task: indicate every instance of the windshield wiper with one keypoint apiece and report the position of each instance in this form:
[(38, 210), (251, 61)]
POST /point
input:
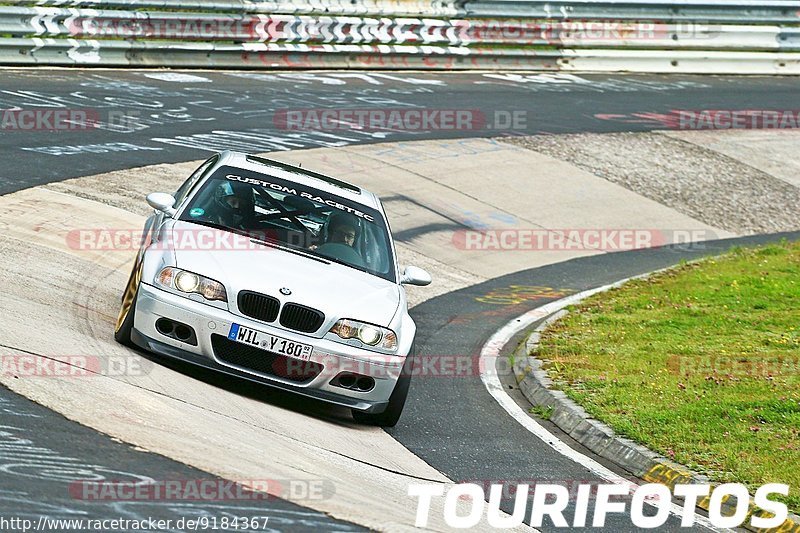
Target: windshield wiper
[(279, 246), (212, 225), (310, 254), (339, 261)]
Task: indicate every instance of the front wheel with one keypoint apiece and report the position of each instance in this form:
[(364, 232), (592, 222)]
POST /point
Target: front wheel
[(127, 311), (397, 401)]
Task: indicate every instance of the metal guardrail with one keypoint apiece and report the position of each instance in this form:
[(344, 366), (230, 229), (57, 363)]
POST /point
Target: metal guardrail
[(144, 25), (69, 52), (709, 11), (72, 52), (619, 36), (706, 11), (320, 7)]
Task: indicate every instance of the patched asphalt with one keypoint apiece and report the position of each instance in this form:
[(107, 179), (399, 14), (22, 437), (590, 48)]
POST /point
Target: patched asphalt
[(138, 120)]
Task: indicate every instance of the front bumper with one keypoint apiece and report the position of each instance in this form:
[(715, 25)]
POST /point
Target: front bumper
[(153, 303)]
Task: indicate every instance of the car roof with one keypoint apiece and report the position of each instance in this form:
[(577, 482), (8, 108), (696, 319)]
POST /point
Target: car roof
[(301, 176)]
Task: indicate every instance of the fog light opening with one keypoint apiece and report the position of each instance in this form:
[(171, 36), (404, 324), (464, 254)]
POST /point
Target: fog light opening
[(165, 326), (347, 380), (183, 332), (365, 383)]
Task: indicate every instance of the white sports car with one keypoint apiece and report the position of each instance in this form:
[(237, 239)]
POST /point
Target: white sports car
[(280, 275)]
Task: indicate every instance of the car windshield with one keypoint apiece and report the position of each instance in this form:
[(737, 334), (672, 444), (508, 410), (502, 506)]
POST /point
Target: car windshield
[(292, 215)]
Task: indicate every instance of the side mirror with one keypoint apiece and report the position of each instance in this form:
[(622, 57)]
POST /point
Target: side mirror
[(161, 201), (415, 276)]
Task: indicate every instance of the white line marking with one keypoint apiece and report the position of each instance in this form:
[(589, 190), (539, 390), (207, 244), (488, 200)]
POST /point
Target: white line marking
[(178, 77), (491, 351)]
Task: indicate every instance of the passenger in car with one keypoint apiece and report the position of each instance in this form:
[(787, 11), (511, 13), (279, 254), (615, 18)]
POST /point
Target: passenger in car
[(342, 229)]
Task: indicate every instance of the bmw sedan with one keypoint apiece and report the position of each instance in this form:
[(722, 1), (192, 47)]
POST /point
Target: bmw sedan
[(280, 275)]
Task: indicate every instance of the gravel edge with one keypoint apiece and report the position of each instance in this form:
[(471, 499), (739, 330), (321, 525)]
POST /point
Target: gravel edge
[(702, 183)]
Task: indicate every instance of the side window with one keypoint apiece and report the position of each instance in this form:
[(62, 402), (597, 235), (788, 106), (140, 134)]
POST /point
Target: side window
[(188, 185)]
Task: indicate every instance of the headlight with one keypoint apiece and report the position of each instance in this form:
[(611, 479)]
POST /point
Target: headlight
[(187, 282), (366, 333), (190, 282)]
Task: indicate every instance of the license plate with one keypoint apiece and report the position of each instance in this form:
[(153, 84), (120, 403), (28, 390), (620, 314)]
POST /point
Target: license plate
[(271, 343)]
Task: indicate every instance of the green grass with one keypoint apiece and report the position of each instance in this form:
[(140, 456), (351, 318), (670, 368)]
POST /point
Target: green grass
[(700, 363), (542, 412)]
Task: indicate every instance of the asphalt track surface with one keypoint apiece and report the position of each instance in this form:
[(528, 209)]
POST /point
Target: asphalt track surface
[(450, 422), (146, 117), (58, 469)]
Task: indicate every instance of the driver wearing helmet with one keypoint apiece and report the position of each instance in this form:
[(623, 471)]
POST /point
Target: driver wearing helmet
[(233, 204)]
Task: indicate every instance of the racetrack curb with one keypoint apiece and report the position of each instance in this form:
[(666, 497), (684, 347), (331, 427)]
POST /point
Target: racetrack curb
[(536, 386)]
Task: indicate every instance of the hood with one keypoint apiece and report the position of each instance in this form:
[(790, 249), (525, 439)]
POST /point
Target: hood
[(335, 289)]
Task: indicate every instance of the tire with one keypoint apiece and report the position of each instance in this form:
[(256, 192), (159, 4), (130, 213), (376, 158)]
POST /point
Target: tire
[(127, 311), (397, 401)]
